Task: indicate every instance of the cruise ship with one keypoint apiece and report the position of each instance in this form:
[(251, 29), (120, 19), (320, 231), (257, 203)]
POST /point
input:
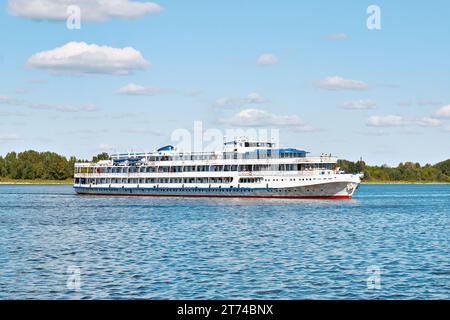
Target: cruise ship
[(243, 169)]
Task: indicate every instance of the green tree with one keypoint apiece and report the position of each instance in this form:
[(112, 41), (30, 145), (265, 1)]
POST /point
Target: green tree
[(11, 165), (444, 167), (2, 167), (101, 156)]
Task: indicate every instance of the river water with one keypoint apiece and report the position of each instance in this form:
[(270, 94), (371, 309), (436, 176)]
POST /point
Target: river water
[(389, 242)]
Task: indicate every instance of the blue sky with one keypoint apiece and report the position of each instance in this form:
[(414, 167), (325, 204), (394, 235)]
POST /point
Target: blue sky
[(326, 81)]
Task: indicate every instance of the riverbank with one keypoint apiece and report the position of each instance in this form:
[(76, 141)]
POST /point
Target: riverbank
[(34, 181)]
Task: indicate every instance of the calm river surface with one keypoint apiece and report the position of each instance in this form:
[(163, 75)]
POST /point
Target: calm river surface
[(389, 242)]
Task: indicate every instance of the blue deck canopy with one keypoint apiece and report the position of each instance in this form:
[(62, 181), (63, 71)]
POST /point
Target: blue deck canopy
[(128, 159), (166, 148)]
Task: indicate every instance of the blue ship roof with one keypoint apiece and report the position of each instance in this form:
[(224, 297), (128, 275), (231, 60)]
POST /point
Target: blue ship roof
[(166, 148), (128, 159)]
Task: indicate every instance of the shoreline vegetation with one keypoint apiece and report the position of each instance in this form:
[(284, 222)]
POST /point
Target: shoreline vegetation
[(35, 181), (32, 167)]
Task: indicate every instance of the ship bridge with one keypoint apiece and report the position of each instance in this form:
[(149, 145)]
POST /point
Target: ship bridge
[(261, 149)]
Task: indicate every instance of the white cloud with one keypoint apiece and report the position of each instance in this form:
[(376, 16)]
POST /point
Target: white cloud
[(83, 58), (9, 101), (13, 114), (267, 59), (338, 36), (233, 102), (390, 85), (376, 133), (105, 146), (428, 102), (443, 112), (404, 103), (91, 10), (192, 93), (228, 103), (88, 107), (21, 90), (63, 108), (385, 121), (38, 81), (133, 89), (141, 131), (429, 122), (45, 106), (358, 104), (254, 97), (258, 117), (8, 137), (339, 83)]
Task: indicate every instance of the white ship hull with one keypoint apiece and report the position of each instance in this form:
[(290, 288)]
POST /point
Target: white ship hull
[(327, 190)]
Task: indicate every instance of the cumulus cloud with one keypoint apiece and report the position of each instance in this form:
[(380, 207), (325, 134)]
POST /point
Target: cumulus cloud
[(267, 59), (105, 146), (88, 107), (428, 102), (192, 93), (385, 121), (236, 102), (358, 104), (376, 133), (13, 114), (254, 97), (142, 131), (133, 89), (21, 90), (5, 137), (63, 108), (421, 102), (258, 117), (228, 103), (83, 58), (404, 103), (38, 81), (339, 83), (8, 100), (338, 36), (429, 122), (443, 112), (91, 10)]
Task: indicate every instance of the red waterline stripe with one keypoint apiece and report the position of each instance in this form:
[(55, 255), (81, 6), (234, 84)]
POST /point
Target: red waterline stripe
[(215, 196)]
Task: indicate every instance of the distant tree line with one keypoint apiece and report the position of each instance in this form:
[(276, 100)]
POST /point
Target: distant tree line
[(406, 172), (52, 166), (40, 165)]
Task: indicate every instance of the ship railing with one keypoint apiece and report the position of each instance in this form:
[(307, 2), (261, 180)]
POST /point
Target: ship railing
[(219, 160), (287, 173), (203, 173)]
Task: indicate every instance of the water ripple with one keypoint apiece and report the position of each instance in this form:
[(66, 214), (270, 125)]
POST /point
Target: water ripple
[(127, 247)]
